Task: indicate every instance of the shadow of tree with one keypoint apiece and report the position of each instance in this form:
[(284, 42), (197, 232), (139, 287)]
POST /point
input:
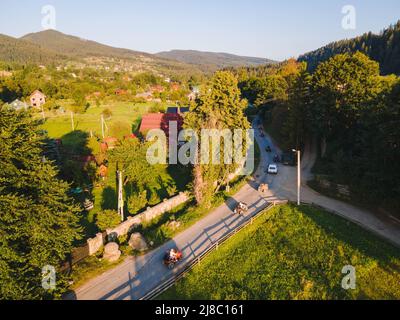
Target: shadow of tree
[(109, 199)]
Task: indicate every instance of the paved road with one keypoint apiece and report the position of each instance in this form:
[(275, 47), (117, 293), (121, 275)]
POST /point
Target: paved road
[(284, 186), (137, 276)]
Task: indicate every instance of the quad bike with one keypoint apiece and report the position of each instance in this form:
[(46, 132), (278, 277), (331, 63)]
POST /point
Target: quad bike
[(169, 261), (241, 208)]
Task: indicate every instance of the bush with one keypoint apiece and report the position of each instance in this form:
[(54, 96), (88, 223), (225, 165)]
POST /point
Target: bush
[(120, 129), (137, 202), (107, 219), (154, 199), (107, 113), (157, 108)]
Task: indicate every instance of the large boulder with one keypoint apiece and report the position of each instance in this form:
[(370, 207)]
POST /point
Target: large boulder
[(111, 252), (138, 242)]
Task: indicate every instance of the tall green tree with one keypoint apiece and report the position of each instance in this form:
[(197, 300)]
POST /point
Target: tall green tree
[(219, 107), (38, 221)]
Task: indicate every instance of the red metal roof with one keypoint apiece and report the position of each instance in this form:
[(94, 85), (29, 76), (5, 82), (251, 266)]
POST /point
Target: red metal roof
[(160, 121)]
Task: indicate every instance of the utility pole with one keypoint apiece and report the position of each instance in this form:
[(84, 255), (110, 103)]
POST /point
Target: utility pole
[(102, 126), (72, 121), (120, 196), (298, 175)]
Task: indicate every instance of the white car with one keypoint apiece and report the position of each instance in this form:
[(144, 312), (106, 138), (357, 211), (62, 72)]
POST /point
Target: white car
[(273, 169)]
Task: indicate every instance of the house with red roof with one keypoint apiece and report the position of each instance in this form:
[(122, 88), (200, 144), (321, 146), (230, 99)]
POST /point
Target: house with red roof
[(161, 121)]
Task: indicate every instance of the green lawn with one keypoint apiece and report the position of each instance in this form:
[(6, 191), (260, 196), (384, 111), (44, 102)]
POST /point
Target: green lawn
[(295, 253), (122, 112)]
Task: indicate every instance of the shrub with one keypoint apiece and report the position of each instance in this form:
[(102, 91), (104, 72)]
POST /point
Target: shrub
[(120, 129), (137, 202), (154, 199), (107, 113), (107, 219)]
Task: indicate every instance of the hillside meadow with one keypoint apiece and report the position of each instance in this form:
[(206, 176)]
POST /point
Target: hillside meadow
[(295, 253)]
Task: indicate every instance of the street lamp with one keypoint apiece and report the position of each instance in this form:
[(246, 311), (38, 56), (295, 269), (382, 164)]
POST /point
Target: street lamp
[(298, 174)]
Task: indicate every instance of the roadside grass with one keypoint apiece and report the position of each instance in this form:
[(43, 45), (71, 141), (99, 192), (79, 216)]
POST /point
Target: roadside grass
[(94, 266), (295, 253)]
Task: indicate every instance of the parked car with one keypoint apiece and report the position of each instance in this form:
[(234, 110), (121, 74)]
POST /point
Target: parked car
[(289, 159), (272, 169)]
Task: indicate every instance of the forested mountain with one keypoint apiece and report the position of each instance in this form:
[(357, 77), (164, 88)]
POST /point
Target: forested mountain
[(383, 48), (49, 47), (20, 51), (75, 46), (213, 59)]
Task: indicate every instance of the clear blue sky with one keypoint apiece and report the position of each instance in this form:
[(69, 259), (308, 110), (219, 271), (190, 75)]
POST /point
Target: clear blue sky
[(274, 29)]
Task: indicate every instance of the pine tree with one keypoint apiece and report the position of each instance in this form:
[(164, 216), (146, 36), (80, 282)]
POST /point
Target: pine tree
[(38, 221)]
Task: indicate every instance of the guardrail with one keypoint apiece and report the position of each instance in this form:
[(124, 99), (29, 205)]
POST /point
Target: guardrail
[(197, 261)]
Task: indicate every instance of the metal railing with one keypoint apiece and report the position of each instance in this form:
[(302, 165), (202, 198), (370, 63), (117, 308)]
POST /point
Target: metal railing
[(197, 261)]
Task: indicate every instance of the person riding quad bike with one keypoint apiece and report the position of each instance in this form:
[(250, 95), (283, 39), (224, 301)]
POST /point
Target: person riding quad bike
[(172, 257), (241, 208), (268, 149), (276, 158)]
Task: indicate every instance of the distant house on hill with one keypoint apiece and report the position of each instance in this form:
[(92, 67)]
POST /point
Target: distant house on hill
[(18, 105), (37, 99), (5, 74), (148, 96), (175, 86), (157, 88), (121, 92), (161, 121)]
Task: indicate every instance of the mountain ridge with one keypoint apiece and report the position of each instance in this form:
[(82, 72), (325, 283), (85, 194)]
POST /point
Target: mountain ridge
[(216, 59)]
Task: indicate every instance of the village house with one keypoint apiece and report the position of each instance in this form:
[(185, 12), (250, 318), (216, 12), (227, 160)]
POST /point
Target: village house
[(5, 74), (157, 89), (37, 99), (175, 86), (121, 92), (160, 121), (148, 96)]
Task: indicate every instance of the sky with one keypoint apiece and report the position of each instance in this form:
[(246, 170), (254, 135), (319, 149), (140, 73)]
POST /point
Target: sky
[(277, 29)]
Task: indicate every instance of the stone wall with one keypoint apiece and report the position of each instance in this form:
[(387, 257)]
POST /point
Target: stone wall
[(95, 244)]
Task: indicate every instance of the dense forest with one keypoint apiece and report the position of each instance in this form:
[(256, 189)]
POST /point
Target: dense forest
[(383, 48), (351, 109)]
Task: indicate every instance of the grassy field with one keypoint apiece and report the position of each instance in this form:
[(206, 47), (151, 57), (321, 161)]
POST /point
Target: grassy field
[(295, 253), (122, 112)]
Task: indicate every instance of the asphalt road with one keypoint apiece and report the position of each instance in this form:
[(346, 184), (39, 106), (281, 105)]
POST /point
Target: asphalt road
[(136, 276)]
